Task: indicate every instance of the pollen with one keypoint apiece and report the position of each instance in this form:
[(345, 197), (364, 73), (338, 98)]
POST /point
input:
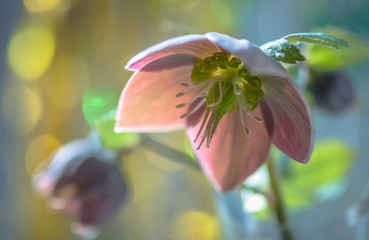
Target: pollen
[(223, 84)]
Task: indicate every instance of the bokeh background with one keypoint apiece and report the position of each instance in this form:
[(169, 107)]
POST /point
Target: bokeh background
[(54, 51)]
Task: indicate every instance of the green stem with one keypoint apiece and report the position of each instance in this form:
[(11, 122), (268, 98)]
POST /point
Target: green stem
[(168, 152), (279, 206)]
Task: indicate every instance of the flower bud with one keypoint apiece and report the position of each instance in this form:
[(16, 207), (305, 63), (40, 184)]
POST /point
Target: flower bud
[(332, 91), (83, 182)]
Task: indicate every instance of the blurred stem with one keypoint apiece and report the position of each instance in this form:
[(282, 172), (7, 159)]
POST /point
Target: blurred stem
[(168, 152), (279, 206)]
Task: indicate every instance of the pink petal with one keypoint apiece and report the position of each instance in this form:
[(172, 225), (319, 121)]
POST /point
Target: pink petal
[(291, 125), (44, 184), (148, 101), (85, 231), (196, 116), (65, 206), (194, 45), (232, 156), (255, 60)]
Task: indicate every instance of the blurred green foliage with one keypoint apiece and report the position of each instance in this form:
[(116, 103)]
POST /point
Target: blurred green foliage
[(329, 60), (115, 141), (100, 103), (329, 163)]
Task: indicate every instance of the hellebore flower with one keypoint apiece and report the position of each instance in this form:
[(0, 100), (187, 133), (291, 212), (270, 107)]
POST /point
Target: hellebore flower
[(83, 182), (227, 93)]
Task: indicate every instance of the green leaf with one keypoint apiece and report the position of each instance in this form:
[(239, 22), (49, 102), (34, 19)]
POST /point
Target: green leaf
[(112, 140), (188, 149), (325, 59), (328, 165), (100, 103), (283, 50), (318, 39), (329, 162), (297, 198)]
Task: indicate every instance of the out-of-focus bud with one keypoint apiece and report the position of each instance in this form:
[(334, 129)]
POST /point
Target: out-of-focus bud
[(333, 91), (83, 182)]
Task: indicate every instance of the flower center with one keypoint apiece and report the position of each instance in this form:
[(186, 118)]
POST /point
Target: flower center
[(224, 85)]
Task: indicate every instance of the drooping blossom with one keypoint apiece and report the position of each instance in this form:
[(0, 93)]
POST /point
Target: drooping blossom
[(233, 99), (83, 182)]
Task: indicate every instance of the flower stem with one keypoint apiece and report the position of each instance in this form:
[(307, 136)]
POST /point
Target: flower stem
[(279, 206), (168, 152)]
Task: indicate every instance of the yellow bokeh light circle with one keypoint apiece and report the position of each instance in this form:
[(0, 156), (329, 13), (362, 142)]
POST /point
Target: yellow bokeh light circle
[(69, 80), (22, 109), (193, 225), (31, 51), (40, 5), (38, 151)]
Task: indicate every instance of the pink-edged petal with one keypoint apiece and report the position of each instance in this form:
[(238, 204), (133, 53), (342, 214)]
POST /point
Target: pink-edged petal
[(44, 184), (291, 125), (45, 181), (85, 231), (232, 156), (255, 60), (195, 45), (148, 102)]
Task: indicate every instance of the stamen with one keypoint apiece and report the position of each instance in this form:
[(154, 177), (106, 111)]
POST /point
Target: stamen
[(220, 96), (185, 93), (243, 96), (181, 105), (244, 128), (212, 82), (202, 141), (202, 124), (208, 130), (192, 100), (258, 119), (186, 85), (201, 94), (210, 127), (213, 126), (197, 107)]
